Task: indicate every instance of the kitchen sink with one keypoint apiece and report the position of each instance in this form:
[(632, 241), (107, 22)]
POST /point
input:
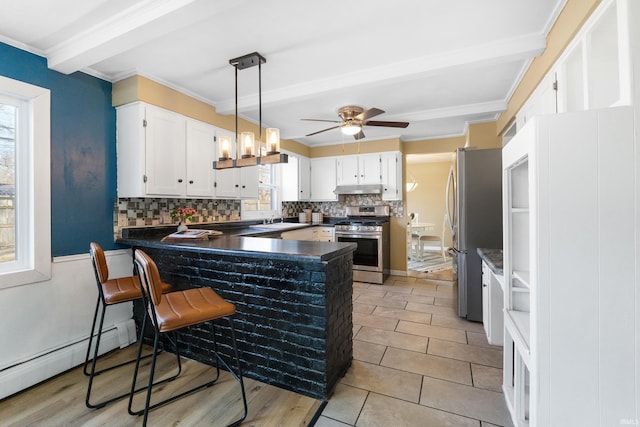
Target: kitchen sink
[(280, 225)]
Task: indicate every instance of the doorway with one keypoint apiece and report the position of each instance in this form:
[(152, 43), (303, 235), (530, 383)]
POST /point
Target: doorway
[(428, 234)]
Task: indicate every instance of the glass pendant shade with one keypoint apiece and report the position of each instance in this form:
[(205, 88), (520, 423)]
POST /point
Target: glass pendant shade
[(247, 144), (224, 147), (273, 141)]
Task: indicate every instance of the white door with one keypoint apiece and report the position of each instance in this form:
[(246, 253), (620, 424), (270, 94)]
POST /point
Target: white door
[(165, 153), (323, 178), (200, 157), (391, 173), (347, 170), (249, 182), (304, 178), (227, 183), (369, 169)]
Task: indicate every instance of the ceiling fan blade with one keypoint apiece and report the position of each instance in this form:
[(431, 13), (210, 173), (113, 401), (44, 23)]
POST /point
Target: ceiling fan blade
[(359, 135), (323, 130), (386, 124), (371, 112), (322, 120)]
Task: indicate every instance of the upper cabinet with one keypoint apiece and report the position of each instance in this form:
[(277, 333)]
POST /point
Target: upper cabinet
[(235, 183), (200, 148), (391, 172), (323, 179), (595, 71), (161, 153), (360, 169), (316, 179), (295, 179)]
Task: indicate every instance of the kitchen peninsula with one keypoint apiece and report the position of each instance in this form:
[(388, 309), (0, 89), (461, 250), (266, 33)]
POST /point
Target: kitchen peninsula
[(293, 300)]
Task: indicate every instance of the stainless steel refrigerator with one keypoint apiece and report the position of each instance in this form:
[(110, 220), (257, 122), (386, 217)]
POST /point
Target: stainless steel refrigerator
[(474, 214)]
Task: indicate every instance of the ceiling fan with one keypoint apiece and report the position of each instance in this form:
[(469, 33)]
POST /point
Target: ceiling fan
[(354, 118)]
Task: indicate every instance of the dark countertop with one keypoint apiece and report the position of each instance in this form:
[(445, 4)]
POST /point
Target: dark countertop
[(493, 258), (239, 237)]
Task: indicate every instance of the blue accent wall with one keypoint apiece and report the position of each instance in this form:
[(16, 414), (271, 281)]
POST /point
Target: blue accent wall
[(83, 151)]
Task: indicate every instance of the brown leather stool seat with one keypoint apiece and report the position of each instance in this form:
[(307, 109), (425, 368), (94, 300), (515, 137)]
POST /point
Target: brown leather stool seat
[(110, 292), (174, 311)]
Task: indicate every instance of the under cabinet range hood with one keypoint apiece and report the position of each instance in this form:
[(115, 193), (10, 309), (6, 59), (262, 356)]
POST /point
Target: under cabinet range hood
[(359, 189)]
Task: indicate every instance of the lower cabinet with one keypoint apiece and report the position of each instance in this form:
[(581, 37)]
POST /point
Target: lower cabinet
[(492, 304), (315, 234)]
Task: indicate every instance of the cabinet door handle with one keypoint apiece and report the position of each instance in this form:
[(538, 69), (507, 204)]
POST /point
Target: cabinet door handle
[(191, 181), (180, 180), (244, 186), (237, 186)]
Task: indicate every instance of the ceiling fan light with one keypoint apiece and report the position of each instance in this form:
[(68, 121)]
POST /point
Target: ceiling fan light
[(351, 129)]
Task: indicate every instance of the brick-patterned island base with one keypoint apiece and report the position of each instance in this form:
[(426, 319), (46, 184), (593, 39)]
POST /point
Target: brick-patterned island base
[(294, 310)]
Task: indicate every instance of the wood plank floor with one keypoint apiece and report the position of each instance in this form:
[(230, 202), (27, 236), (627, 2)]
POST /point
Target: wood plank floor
[(60, 400)]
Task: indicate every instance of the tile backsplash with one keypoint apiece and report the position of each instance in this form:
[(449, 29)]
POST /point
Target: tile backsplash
[(337, 209), (140, 212)]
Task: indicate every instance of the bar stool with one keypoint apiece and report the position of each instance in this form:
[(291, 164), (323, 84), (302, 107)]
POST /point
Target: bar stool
[(110, 292), (172, 312)]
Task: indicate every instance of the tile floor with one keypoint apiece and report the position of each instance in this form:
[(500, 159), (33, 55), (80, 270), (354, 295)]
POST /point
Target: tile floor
[(416, 363)]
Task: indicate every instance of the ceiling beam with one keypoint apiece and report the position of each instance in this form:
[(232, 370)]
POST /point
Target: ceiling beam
[(483, 55), (127, 29)]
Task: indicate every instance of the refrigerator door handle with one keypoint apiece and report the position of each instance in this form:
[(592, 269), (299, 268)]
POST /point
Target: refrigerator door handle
[(450, 212)]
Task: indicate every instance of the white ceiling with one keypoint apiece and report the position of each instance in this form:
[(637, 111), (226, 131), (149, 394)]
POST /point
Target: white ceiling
[(439, 65)]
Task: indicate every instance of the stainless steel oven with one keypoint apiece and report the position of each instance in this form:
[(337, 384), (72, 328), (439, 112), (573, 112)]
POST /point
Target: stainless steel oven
[(368, 228)]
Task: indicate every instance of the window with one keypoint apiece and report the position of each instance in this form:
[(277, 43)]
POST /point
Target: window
[(25, 194), (267, 203)]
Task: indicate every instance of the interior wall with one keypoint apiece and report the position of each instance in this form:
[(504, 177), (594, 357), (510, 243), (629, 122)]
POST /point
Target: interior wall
[(428, 199), (44, 324)]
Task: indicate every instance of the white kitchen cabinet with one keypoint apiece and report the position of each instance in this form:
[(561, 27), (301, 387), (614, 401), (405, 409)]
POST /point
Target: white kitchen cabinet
[(150, 151), (598, 69), (308, 233), (358, 169), (200, 154), (234, 183), (391, 173), (237, 183), (570, 197), (492, 304), (316, 234), (296, 179), (323, 179), (162, 154), (325, 234)]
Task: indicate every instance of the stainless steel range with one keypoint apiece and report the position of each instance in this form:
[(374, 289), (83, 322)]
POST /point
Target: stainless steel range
[(368, 228)]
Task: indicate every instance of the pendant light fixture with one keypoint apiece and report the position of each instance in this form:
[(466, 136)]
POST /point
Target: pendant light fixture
[(249, 151)]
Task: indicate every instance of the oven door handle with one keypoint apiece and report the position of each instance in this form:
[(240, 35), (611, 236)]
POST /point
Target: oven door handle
[(359, 235)]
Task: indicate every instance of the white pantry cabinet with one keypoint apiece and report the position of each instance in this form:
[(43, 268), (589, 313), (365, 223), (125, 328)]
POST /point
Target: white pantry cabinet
[(323, 179), (163, 154), (358, 169), (571, 191)]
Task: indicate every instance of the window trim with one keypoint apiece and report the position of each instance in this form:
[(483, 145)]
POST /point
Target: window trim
[(38, 267), (277, 213)]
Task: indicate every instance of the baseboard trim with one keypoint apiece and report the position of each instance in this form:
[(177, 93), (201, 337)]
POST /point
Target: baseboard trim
[(31, 372)]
